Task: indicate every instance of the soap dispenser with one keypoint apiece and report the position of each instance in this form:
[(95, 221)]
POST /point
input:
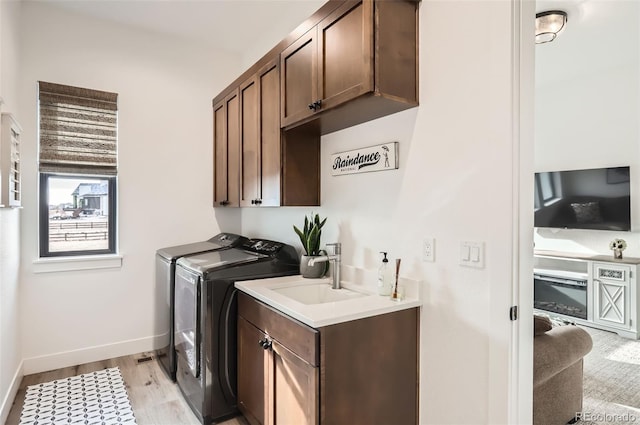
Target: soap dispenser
[(384, 284)]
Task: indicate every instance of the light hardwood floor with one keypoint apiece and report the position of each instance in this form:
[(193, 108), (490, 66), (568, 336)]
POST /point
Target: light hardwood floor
[(154, 398)]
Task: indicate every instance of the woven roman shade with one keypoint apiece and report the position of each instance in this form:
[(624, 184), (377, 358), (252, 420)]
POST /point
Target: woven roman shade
[(78, 130)]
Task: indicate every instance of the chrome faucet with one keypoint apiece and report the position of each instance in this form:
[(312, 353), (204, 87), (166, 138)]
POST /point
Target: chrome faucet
[(335, 257)]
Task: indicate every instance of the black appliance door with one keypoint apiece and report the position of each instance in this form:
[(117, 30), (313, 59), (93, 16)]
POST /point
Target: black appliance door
[(187, 324)]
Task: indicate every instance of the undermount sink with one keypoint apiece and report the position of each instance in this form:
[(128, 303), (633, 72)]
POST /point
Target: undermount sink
[(317, 293)]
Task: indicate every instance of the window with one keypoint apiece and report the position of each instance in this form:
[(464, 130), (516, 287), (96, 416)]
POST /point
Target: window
[(78, 170), (546, 188)]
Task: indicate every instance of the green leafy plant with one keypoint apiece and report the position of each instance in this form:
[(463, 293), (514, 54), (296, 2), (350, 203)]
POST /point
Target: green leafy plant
[(310, 234)]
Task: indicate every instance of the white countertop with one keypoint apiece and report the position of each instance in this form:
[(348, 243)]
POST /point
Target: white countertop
[(330, 313)]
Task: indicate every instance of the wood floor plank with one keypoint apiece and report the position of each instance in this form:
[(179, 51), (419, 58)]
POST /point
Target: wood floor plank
[(154, 398)]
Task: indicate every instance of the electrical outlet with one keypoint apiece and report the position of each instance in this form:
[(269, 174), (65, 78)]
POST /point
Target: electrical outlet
[(429, 250)]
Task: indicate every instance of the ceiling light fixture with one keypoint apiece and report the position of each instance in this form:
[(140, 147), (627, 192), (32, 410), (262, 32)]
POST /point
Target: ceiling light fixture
[(549, 24)]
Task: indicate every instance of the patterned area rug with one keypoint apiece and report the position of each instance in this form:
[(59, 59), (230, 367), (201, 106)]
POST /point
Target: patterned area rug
[(611, 380), (98, 398)]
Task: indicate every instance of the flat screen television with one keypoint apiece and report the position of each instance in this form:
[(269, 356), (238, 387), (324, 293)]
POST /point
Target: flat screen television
[(594, 199)]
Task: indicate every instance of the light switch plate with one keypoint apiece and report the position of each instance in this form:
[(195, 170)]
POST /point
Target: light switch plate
[(472, 254)]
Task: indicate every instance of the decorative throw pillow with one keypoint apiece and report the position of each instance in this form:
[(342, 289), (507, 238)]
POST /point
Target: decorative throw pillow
[(587, 212), (541, 324)]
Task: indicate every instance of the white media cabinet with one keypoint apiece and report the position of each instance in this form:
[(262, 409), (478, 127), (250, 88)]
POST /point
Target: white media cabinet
[(612, 291)]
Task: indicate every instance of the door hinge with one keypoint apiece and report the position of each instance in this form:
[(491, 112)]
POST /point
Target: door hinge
[(513, 313)]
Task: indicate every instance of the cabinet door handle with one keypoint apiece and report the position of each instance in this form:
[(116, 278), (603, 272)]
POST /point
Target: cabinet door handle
[(258, 201), (224, 203), (253, 202), (265, 343), (315, 105)]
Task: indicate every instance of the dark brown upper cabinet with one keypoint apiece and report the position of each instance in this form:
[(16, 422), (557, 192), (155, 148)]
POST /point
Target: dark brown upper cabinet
[(351, 62), (226, 151), (359, 63), (261, 138), (299, 76)]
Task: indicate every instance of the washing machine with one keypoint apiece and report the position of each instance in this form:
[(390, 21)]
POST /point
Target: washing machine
[(206, 319), (165, 286)]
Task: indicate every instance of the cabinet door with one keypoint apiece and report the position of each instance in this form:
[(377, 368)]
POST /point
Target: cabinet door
[(261, 138), (253, 369), (299, 79), (219, 153), (250, 141), (270, 135), (295, 389), (226, 151), (611, 295), (345, 53)]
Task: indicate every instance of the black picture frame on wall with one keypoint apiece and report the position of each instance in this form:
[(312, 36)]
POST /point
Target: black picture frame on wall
[(617, 175)]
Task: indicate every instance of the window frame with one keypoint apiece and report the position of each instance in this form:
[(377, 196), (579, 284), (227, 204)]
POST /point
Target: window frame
[(43, 203)]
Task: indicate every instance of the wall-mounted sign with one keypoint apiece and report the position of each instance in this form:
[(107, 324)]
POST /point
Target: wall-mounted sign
[(373, 158)]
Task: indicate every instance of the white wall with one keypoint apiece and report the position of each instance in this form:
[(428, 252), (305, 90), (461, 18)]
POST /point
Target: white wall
[(454, 184), (9, 42), (165, 88), (587, 116), (10, 341), (297, 12)]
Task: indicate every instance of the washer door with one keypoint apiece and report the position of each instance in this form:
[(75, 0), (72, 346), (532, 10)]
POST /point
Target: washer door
[(187, 319)]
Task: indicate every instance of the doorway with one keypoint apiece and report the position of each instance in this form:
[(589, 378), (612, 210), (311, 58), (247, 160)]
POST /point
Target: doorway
[(587, 103)]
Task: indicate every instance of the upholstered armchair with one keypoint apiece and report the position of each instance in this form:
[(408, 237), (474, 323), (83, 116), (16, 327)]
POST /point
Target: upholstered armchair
[(558, 354)]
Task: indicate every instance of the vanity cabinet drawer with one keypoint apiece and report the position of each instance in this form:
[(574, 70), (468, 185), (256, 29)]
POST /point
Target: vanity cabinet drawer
[(299, 338)]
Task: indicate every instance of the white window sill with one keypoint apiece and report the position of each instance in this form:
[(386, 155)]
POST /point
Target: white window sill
[(89, 262)]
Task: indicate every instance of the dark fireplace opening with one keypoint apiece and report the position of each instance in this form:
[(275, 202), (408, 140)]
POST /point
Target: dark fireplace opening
[(560, 295)]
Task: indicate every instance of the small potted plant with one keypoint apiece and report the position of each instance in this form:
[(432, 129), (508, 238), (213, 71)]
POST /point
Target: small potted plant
[(617, 246), (310, 237)]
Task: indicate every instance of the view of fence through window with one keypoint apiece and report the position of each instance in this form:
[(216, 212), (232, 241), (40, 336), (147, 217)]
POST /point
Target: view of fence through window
[(78, 214)]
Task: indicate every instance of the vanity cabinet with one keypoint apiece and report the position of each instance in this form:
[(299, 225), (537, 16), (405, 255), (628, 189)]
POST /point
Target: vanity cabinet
[(278, 374), (336, 63), (362, 371), (226, 151)]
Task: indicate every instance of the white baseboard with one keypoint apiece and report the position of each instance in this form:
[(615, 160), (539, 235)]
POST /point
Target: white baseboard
[(5, 407), (88, 355)]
